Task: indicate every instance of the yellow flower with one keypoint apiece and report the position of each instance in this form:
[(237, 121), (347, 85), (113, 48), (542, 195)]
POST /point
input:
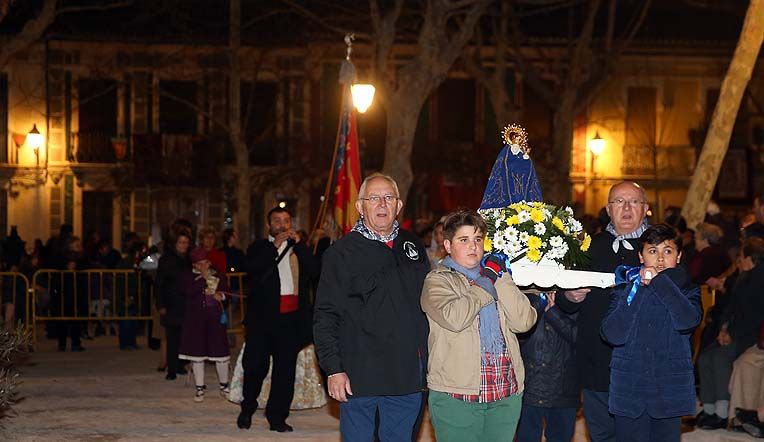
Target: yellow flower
[(534, 243), (537, 215), (533, 255), (513, 220), (557, 222), (487, 244), (586, 242), (537, 204)]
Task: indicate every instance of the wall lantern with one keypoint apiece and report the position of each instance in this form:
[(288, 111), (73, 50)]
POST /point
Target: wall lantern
[(597, 144), (35, 138), (363, 96)]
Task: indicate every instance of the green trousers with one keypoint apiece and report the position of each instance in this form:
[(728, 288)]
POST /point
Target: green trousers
[(459, 421)]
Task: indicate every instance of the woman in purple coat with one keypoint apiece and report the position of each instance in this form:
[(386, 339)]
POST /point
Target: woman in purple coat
[(204, 335)]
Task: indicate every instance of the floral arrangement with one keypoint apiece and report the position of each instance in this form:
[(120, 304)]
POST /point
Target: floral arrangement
[(537, 231)]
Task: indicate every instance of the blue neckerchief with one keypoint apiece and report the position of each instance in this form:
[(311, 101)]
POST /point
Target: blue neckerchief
[(491, 339), (625, 275)]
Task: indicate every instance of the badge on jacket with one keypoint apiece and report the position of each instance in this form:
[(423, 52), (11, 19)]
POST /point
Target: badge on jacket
[(411, 250)]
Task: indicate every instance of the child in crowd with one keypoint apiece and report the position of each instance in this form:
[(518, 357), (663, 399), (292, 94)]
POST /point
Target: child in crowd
[(475, 371), (649, 322)]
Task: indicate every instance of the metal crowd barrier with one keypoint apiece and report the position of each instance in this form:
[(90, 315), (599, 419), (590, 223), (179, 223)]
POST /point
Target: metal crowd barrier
[(104, 295), (14, 286)]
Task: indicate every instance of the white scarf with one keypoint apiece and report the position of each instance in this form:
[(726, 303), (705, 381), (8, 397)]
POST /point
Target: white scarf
[(621, 239)]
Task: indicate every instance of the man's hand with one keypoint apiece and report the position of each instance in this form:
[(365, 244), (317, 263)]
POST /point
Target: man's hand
[(716, 283), (577, 295), (294, 236), (724, 339), (646, 274), (219, 296), (280, 238), (339, 387), (550, 300)]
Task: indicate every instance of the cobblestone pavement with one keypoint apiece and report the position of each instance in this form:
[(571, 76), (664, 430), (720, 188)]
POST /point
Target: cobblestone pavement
[(104, 394)]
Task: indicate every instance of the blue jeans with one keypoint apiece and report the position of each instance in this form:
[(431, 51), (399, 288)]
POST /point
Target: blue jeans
[(560, 424), (648, 428), (397, 415), (599, 421)]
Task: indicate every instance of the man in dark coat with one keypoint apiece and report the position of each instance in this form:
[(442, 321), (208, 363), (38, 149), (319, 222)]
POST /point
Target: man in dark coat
[(617, 244), (369, 328), (280, 269), (170, 302), (551, 390)]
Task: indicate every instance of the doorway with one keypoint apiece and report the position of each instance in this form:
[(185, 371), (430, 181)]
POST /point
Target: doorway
[(97, 214)]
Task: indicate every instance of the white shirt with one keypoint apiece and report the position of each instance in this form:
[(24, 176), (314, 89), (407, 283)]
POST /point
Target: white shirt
[(285, 270)]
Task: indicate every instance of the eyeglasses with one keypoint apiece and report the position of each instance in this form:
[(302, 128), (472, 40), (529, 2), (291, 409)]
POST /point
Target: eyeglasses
[(620, 202), (376, 199)]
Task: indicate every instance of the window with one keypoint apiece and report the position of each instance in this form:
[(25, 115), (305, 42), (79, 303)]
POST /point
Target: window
[(176, 116), (259, 124), (639, 150), (97, 114)]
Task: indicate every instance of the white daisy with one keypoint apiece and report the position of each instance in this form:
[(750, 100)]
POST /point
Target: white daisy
[(523, 216), (569, 210), (539, 228), (523, 237), (556, 241)]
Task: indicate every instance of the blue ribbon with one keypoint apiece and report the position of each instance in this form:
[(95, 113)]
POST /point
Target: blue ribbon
[(224, 318), (625, 275), (501, 255)]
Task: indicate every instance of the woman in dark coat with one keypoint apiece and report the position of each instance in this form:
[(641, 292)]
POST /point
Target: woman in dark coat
[(170, 303), (204, 336)]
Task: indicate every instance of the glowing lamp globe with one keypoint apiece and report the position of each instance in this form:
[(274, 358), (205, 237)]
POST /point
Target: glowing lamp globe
[(597, 144), (363, 96)]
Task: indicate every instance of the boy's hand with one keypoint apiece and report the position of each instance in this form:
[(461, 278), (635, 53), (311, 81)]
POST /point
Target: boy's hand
[(550, 300), (646, 274), (494, 266), (724, 339)]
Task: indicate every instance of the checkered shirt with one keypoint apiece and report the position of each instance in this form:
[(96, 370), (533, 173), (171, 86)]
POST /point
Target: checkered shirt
[(497, 380)]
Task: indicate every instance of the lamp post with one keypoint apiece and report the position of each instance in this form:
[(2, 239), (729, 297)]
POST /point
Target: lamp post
[(596, 147)]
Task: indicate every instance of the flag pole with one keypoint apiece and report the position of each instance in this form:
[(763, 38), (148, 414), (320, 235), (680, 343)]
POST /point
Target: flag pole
[(346, 78)]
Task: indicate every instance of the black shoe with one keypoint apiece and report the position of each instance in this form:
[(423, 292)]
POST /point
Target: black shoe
[(182, 372), (746, 416), (78, 348), (755, 430), (700, 419), (170, 377), (244, 421), (714, 422), (282, 427)]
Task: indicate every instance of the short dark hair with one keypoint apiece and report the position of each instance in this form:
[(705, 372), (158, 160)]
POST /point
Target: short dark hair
[(658, 233), (278, 209), (227, 235), (754, 248), (754, 230), (462, 218)]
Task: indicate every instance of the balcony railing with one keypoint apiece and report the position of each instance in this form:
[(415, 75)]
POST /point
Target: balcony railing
[(659, 161), (92, 147)]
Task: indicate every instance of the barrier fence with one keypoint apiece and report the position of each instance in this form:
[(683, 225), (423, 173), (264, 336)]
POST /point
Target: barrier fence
[(101, 295)]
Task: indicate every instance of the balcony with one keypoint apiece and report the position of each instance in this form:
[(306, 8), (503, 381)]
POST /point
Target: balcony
[(92, 147)]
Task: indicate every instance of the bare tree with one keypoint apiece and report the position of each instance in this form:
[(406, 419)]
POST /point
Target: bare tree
[(446, 26), (566, 78), (35, 28), (718, 137)]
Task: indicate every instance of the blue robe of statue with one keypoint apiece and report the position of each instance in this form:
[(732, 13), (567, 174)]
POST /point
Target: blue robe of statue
[(513, 179)]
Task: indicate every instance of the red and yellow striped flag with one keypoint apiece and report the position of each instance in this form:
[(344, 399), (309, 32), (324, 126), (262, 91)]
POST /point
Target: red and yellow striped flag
[(347, 171)]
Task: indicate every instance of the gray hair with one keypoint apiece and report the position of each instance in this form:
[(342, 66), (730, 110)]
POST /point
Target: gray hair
[(711, 233), (362, 190)]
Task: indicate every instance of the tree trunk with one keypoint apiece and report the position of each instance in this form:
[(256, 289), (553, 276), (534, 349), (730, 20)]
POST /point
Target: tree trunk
[(243, 185), (503, 108), (555, 185), (402, 118), (723, 120)]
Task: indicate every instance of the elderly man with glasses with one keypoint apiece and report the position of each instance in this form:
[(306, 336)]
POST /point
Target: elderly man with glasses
[(627, 207), (369, 329)]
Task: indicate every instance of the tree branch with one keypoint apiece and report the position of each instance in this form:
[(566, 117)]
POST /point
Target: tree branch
[(105, 7), (305, 12)]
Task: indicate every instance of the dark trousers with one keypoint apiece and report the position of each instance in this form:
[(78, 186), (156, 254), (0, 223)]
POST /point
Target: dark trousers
[(71, 329), (172, 333), (560, 424), (645, 428), (715, 368), (280, 342), (599, 421), (397, 416)]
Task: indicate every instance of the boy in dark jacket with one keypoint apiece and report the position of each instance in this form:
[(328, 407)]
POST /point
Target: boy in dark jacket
[(552, 389), (649, 322)]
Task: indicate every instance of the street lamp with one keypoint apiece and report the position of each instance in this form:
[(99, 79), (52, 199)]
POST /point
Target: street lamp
[(362, 93), (597, 144)]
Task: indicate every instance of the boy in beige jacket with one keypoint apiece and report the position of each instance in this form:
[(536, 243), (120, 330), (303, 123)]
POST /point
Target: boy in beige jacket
[(475, 371)]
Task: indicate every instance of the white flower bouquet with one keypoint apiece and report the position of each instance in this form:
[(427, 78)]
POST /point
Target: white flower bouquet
[(539, 232)]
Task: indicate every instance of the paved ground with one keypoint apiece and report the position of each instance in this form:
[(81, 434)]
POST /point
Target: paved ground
[(104, 394)]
